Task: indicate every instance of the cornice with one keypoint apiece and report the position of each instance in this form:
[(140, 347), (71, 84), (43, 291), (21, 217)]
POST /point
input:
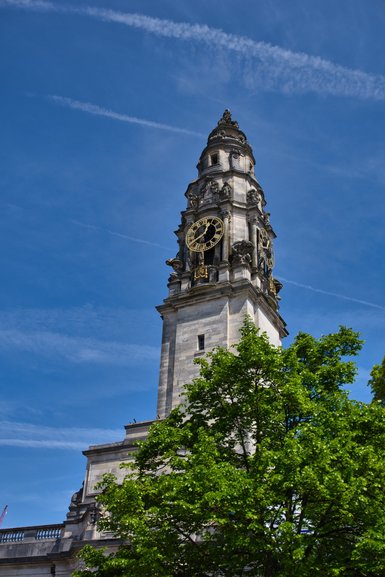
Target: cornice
[(214, 291)]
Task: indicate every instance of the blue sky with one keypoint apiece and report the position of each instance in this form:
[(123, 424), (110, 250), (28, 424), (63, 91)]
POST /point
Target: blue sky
[(105, 108)]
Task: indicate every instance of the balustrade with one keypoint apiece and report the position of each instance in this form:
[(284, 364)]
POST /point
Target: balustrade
[(39, 533)]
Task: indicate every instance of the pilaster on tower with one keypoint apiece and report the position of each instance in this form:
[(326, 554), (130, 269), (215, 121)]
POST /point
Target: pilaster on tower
[(223, 269)]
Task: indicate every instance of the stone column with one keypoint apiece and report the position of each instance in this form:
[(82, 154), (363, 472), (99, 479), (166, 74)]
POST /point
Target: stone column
[(225, 215), (252, 220), (223, 269)]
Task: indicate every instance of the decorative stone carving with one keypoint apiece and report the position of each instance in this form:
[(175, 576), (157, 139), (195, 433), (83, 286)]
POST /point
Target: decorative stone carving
[(274, 286), (253, 197), (201, 270), (193, 200), (213, 273), (234, 157), (76, 501), (265, 253), (225, 192), (177, 266), (219, 133), (264, 238), (242, 251), (226, 119), (225, 214), (214, 187), (94, 513), (208, 192), (278, 286), (269, 259), (203, 186)]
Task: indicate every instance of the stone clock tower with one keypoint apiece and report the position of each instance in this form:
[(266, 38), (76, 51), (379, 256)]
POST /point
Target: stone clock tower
[(223, 270)]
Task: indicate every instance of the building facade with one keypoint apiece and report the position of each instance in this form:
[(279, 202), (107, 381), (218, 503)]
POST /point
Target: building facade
[(223, 271)]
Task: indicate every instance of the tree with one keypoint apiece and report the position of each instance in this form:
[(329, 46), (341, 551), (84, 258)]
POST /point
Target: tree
[(377, 382), (271, 471)]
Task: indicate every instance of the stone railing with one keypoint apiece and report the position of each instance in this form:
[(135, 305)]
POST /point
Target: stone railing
[(38, 533)]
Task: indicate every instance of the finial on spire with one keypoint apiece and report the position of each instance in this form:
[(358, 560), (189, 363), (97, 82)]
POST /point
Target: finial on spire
[(226, 119)]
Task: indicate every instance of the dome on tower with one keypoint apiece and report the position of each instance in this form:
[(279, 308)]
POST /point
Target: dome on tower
[(226, 137)]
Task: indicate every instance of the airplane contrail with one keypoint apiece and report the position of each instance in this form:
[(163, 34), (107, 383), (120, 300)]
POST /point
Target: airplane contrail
[(275, 67), (330, 293)]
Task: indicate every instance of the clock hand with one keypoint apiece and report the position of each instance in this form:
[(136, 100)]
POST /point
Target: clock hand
[(203, 233)]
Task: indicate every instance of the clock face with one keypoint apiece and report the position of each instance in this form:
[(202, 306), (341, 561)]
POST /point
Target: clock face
[(204, 233)]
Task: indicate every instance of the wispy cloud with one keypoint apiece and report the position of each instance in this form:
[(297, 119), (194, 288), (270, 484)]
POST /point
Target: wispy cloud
[(119, 234), (280, 69), (76, 349), (333, 294), (16, 434), (32, 4), (83, 321), (99, 111)]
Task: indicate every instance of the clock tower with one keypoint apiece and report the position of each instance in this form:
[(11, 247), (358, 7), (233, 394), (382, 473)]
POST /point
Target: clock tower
[(223, 269)]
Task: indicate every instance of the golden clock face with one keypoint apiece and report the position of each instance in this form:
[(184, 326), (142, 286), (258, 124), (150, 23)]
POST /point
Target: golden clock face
[(204, 233)]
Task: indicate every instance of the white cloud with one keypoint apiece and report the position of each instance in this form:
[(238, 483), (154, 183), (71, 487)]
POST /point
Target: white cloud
[(278, 68), (76, 349), (42, 444), (16, 434), (98, 111), (74, 334), (31, 4)]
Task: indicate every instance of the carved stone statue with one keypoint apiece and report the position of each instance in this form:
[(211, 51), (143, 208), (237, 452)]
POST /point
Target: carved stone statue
[(208, 192), (177, 266), (278, 286), (213, 273), (94, 513), (272, 285), (269, 258), (193, 200), (266, 218), (214, 187), (226, 119), (76, 500), (242, 251), (264, 239)]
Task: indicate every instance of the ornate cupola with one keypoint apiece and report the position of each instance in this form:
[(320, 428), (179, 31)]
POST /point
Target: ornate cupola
[(223, 270)]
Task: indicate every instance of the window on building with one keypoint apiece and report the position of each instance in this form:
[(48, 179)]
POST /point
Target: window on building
[(201, 342), (214, 158)]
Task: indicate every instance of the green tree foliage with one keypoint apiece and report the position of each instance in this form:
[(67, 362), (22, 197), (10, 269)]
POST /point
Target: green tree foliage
[(377, 382), (273, 471)]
